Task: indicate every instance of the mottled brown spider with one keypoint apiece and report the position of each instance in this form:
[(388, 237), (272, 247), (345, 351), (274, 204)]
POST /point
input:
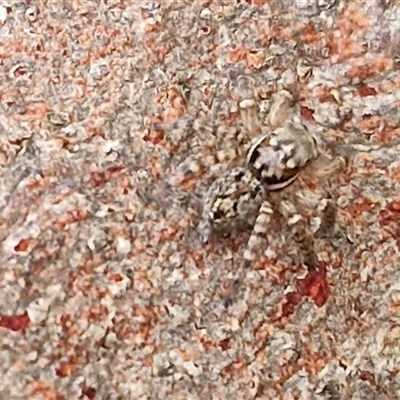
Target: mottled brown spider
[(276, 157), (272, 166)]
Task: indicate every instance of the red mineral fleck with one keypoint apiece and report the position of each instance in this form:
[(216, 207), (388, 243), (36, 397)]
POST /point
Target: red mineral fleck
[(315, 286), (23, 245), (394, 206), (97, 179), (368, 377), (207, 344), (15, 322), (172, 147), (114, 169), (77, 215), (154, 137), (44, 390), (65, 369), (360, 206), (364, 90), (224, 344), (309, 33), (307, 114), (389, 217), (19, 71), (36, 184), (89, 392), (238, 55), (390, 213), (115, 278), (292, 299)]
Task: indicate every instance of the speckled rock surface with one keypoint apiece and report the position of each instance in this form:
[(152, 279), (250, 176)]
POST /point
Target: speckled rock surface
[(106, 289)]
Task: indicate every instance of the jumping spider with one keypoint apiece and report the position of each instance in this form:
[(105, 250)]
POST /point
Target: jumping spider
[(279, 160), (274, 163)]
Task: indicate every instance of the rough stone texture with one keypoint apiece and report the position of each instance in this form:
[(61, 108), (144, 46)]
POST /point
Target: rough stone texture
[(106, 290)]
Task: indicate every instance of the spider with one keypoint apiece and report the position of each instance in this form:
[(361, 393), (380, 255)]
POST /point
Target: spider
[(280, 160), (266, 177)]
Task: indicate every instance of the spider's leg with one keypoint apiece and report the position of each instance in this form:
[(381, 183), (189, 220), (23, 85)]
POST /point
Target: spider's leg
[(304, 239), (281, 103), (299, 223), (260, 228), (324, 167), (249, 115)]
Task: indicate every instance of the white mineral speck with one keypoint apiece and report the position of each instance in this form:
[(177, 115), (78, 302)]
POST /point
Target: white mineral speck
[(3, 14), (38, 309), (55, 292), (118, 288), (191, 368), (32, 356), (122, 245)]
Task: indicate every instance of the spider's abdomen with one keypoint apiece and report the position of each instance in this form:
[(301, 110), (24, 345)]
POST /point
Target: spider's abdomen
[(276, 158), (232, 200)]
